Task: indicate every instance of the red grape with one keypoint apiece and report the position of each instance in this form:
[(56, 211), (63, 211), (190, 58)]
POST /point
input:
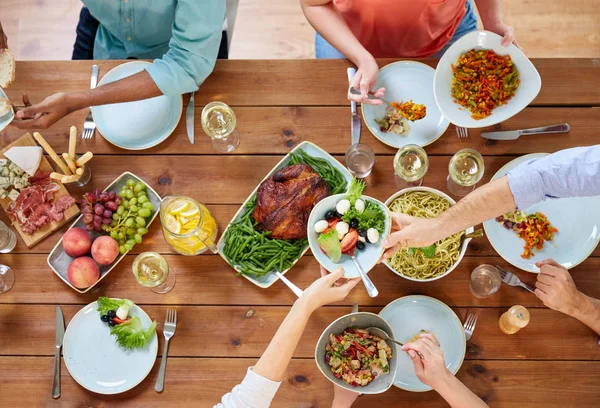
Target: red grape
[(103, 197), (98, 209), (111, 205), (112, 195), (89, 227), (89, 197), (107, 214), (97, 192), (88, 218), (106, 220), (118, 200)]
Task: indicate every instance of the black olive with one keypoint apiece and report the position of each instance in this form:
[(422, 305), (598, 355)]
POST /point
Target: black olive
[(104, 318), (330, 215), (360, 245), (354, 223), (111, 313), (111, 323), (362, 233)]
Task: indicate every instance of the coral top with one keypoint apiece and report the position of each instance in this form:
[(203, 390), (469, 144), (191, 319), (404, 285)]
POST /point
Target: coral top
[(402, 28)]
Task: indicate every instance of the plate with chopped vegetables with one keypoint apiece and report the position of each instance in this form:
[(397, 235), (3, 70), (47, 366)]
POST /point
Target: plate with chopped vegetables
[(413, 117), (110, 346), (564, 229), (480, 83)]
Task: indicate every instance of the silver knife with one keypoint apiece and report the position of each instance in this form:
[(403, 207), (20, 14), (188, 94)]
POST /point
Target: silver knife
[(189, 118), (355, 121), (515, 134), (60, 333)]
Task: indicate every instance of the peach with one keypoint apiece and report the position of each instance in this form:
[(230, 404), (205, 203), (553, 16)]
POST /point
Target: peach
[(76, 242), (105, 250), (83, 272)]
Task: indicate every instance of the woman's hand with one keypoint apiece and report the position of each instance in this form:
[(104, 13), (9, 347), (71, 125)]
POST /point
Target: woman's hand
[(44, 114), (431, 370), (410, 232), (505, 31), (331, 287), (364, 80)]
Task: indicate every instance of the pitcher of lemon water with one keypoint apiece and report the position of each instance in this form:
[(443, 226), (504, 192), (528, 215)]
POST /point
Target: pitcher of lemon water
[(187, 225)]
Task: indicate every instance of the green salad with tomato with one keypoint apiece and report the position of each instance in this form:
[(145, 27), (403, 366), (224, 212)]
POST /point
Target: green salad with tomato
[(127, 330)]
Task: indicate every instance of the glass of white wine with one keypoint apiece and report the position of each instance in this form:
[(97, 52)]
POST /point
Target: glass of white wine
[(464, 172), (218, 122), (152, 270), (410, 165)]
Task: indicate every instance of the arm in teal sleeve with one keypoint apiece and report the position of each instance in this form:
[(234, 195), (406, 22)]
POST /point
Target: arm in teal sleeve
[(193, 47)]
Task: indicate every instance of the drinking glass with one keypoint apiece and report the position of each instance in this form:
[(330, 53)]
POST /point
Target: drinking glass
[(410, 166), (360, 159), (8, 239), (7, 278), (85, 176), (152, 271), (218, 122), (485, 281), (465, 170)]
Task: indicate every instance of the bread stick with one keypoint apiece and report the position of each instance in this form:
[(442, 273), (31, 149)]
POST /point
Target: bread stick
[(72, 143), (69, 162), (84, 159), (57, 176), (70, 179), (52, 153), (79, 171)]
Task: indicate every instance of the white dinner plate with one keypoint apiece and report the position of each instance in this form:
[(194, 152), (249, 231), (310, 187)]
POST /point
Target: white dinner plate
[(97, 362), (136, 125), (8, 116), (577, 220), (404, 81), (408, 316), (528, 89)]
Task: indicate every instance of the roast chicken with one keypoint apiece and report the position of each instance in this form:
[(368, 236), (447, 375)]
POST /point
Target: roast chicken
[(284, 201)]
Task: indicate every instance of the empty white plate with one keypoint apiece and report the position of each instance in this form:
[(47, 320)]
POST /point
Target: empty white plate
[(404, 81), (136, 125), (97, 362)]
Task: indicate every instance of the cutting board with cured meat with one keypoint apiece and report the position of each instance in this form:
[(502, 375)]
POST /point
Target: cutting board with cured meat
[(46, 199)]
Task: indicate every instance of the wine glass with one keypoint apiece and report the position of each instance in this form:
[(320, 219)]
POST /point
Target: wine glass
[(410, 165), (152, 270), (7, 278), (465, 170), (218, 122)]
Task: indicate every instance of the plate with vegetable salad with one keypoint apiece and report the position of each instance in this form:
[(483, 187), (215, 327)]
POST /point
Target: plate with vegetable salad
[(266, 235), (480, 83), (110, 346), (564, 229)]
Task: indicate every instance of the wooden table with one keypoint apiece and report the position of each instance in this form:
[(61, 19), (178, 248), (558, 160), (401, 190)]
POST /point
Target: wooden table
[(225, 322)]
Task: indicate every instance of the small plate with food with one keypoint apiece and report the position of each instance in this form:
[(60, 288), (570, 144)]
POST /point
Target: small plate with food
[(7, 113), (110, 346), (564, 229), (268, 233), (410, 315), (345, 225), (480, 83), (413, 116), (437, 260), (355, 359)]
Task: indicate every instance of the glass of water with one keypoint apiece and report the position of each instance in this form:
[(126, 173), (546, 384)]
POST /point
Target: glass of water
[(360, 159), (410, 166), (8, 239), (485, 281), (7, 278), (465, 170)]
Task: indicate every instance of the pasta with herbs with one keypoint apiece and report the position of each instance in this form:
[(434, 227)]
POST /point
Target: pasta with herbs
[(414, 263)]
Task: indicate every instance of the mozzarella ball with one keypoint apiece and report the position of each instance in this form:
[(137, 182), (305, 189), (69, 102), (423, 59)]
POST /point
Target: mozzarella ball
[(359, 205), (372, 235), (342, 229), (321, 226), (343, 206)]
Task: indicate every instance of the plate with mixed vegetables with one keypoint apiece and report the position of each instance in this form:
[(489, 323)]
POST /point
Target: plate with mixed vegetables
[(345, 225), (413, 117), (110, 346), (480, 83), (564, 229)]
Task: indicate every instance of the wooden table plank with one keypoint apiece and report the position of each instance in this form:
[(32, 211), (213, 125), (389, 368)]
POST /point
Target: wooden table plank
[(565, 82), (208, 280), (245, 331), (192, 382), (277, 130)]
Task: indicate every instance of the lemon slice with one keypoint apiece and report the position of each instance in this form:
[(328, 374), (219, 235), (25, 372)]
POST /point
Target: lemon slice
[(179, 207), (190, 213), (172, 224)]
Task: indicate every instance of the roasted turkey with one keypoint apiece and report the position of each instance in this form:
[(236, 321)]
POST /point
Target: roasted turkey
[(284, 201)]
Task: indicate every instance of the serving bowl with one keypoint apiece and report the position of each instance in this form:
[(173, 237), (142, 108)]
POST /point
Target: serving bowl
[(528, 89), (464, 245), (361, 320), (367, 258)]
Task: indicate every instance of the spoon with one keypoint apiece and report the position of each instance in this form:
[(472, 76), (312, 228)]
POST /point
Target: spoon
[(297, 291), (371, 289), (370, 95), (381, 333)]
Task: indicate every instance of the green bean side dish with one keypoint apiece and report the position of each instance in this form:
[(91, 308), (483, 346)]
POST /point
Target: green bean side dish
[(253, 252)]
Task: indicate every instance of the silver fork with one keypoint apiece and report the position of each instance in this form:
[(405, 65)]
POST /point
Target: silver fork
[(168, 331), (89, 126), (462, 132), (470, 325), (513, 280)]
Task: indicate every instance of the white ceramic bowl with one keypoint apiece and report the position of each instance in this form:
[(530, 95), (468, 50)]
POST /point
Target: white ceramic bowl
[(367, 258), (465, 242), (528, 89)]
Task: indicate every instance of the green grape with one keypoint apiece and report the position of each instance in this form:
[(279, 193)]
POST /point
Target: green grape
[(114, 234), (129, 222), (129, 194), (128, 247), (120, 210), (144, 212), (125, 205), (121, 242), (121, 194), (139, 186), (140, 194), (115, 216), (130, 242), (104, 227), (114, 223), (148, 205), (122, 249), (142, 199), (120, 235), (133, 201), (140, 221), (130, 183), (130, 231), (133, 208), (138, 238), (142, 231)]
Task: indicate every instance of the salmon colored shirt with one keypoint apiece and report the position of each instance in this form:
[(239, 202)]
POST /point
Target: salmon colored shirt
[(402, 28)]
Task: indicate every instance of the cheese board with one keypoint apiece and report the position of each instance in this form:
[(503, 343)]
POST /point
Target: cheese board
[(36, 236)]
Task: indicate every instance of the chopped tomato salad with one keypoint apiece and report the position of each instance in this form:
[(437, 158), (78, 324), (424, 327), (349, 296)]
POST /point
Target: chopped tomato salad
[(484, 80), (535, 230), (411, 111)]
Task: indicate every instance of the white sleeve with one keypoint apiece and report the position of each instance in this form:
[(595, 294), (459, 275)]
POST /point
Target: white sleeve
[(255, 391)]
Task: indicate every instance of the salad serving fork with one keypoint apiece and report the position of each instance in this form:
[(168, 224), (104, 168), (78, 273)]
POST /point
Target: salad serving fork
[(89, 126), (297, 291), (470, 325), (168, 330), (513, 280)]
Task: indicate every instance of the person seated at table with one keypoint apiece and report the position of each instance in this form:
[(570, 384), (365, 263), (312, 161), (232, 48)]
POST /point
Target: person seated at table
[(362, 30), (567, 173), (183, 38)]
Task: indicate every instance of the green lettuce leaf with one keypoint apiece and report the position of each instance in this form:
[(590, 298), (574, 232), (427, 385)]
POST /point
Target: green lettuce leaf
[(131, 334), (355, 190), (105, 304)]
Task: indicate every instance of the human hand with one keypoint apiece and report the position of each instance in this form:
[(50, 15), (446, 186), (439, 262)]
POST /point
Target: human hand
[(364, 80), (555, 287), (3, 40), (506, 32), (331, 287), (410, 232), (343, 398), (431, 369), (44, 114)]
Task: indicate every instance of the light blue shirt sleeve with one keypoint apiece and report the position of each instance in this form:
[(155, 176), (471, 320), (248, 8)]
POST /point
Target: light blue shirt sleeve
[(193, 47), (567, 173)]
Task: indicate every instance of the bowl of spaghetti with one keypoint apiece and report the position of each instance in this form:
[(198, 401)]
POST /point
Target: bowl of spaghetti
[(419, 265)]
